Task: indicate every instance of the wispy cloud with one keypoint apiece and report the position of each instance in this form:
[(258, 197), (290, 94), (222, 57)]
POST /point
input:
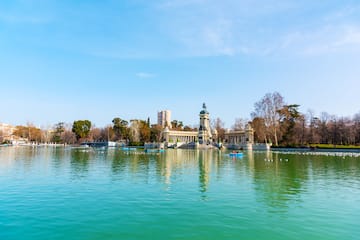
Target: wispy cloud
[(325, 40), (229, 27), (337, 32), (213, 38), (144, 75), (218, 28), (350, 35)]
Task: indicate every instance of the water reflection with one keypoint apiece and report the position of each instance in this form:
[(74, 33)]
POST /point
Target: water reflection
[(204, 170), (79, 162), (169, 167), (118, 164), (277, 180), (27, 158)]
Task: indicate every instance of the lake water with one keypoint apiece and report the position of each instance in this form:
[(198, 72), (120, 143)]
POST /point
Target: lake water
[(65, 193)]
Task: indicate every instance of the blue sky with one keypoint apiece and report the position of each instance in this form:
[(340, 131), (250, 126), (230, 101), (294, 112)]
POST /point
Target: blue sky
[(68, 60)]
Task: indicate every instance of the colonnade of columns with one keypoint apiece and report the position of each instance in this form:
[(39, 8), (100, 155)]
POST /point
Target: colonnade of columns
[(187, 139), (238, 139)]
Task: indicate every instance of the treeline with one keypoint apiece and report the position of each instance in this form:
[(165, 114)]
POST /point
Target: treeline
[(135, 132), (273, 120), (282, 124)]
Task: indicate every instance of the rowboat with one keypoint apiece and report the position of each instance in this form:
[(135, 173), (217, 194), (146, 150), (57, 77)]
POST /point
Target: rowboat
[(236, 154)]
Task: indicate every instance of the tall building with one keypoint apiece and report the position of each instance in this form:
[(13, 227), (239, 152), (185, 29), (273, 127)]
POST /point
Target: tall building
[(164, 118)]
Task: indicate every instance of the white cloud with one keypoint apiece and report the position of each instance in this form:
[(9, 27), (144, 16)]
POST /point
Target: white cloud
[(144, 75)]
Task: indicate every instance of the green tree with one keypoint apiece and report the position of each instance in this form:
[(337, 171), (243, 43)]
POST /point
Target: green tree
[(81, 128), (120, 128), (177, 125), (59, 128), (289, 115), (188, 128), (155, 133), (260, 132), (144, 131)]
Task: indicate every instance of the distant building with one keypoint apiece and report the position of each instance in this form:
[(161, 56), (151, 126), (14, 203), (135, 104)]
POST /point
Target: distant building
[(164, 118), (240, 139), (203, 136), (179, 137), (206, 137)]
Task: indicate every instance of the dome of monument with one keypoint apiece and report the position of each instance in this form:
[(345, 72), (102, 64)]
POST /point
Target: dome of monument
[(204, 111)]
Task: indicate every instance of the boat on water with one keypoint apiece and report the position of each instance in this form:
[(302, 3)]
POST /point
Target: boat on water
[(236, 154), (154, 150)]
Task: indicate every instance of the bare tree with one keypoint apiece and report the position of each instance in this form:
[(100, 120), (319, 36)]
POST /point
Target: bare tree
[(239, 124), (219, 125), (267, 108), (67, 136), (310, 119), (324, 128), (356, 128), (108, 133), (95, 134)]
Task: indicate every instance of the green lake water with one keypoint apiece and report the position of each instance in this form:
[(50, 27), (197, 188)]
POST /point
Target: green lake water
[(65, 193)]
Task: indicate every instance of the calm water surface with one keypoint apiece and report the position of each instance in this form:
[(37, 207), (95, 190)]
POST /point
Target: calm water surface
[(64, 193)]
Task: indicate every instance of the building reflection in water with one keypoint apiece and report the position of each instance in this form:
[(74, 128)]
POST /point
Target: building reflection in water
[(177, 165), (276, 179), (180, 162), (204, 169)]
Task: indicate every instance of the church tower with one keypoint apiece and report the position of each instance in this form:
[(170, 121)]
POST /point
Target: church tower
[(204, 136)]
